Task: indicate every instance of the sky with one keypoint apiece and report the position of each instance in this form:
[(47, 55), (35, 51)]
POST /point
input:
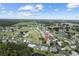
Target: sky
[(64, 11)]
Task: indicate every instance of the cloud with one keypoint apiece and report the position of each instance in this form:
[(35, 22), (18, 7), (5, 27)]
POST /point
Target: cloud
[(56, 9), (71, 6), (27, 7), (37, 7), (69, 9), (10, 12), (3, 11), (25, 14), (3, 8), (77, 15)]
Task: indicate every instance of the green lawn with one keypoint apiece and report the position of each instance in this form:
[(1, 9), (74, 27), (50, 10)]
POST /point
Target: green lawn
[(34, 35), (43, 52)]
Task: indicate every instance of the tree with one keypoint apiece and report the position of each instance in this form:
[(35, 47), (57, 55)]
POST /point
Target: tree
[(42, 39), (12, 49)]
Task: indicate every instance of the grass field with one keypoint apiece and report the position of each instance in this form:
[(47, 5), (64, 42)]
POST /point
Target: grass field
[(34, 35)]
